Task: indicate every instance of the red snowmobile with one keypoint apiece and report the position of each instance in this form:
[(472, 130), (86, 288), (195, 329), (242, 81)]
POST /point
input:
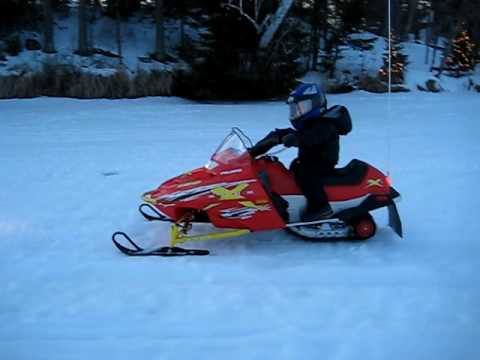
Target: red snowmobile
[(242, 194)]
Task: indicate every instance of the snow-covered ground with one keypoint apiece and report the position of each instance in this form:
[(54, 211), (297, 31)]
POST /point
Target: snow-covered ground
[(71, 173)]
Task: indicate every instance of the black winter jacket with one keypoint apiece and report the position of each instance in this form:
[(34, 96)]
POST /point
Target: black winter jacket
[(318, 144)]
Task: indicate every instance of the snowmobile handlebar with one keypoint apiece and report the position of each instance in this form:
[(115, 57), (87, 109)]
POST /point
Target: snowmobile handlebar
[(271, 154)]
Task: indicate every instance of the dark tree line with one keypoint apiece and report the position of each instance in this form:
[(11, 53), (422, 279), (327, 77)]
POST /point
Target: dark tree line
[(333, 18), (247, 45)]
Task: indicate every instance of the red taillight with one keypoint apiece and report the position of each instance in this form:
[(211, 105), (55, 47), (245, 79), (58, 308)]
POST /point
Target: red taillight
[(388, 181)]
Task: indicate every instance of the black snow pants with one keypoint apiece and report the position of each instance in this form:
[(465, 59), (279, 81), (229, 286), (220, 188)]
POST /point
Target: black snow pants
[(310, 179)]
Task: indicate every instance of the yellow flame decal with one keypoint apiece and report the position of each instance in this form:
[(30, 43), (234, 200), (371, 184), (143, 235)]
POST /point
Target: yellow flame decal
[(260, 207), (148, 199), (188, 184), (234, 194), (374, 182)]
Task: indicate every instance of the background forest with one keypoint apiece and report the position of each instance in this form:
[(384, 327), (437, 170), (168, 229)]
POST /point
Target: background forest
[(74, 169), (227, 49)]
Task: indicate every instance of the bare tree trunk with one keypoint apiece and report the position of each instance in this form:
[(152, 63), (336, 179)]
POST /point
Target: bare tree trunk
[(315, 36), (182, 32), (436, 46), (83, 48), (48, 29), (325, 30), (429, 37), (159, 31), (412, 10), (315, 48), (275, 23), (333, 65), (118, 31)]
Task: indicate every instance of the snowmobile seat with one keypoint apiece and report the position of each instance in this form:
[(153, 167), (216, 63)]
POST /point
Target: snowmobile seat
[(352, 174)]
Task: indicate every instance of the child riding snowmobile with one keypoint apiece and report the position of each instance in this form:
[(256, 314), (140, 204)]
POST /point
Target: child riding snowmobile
[(316, 134), (239, 194)]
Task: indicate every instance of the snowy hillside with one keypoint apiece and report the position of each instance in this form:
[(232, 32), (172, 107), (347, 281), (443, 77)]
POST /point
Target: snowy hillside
[(357, 63), (72, 172)]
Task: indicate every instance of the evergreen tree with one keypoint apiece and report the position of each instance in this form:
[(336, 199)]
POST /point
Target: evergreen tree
[(462, 56), (399, 62), (231, 65)]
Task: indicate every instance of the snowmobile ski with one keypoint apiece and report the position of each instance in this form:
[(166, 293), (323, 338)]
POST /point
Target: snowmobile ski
[(161, 251), (157, 217)]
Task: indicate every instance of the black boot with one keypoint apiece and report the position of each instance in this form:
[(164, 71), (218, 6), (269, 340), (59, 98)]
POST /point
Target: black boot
[(316, 215)]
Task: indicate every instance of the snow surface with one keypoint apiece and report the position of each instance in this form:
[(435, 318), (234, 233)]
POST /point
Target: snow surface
[(72, 172)]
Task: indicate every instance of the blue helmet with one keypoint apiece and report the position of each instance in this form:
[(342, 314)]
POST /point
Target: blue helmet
[(306, 102)]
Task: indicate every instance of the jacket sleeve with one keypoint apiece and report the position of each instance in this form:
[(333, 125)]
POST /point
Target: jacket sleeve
[(317, 135), (284, 132), (272, 139)]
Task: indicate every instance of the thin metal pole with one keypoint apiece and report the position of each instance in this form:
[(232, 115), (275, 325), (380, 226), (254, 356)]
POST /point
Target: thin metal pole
[(389, 47), (389, 104)]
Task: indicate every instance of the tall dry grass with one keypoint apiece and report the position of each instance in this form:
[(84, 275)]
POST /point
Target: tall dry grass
[(62, 81)]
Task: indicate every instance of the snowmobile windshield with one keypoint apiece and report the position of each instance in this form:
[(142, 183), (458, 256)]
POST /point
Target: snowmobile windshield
[(230, 150)]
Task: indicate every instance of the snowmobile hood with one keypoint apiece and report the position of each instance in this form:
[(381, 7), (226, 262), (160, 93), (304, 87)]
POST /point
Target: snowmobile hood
[(184, 182), (196, 182)]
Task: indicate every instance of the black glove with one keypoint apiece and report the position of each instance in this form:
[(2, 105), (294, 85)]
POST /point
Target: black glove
[(290, 140), (283, 132), (268, 142)]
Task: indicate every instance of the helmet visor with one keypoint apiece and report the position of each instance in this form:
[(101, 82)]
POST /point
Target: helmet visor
[(300, 108)]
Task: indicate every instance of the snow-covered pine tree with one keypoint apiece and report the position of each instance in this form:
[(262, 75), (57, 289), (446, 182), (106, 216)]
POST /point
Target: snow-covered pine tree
[(461, 59), (399, 62)]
